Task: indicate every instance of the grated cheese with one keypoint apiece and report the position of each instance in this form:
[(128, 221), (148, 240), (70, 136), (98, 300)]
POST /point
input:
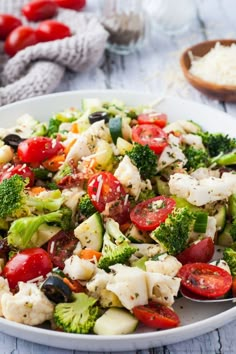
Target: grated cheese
[(100, 183), (218, 66)]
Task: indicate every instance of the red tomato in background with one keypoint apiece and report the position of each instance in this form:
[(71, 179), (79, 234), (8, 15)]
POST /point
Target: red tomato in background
[(205, 279), (156, 316), (146, 216), (20, 38), (38, 10), (38, 149), (26, 265), (60, 247), (51, 30), (21, 170), (7, 24), (159, 119), (151, 135), (106, 192), (71, 4), (202, 251)]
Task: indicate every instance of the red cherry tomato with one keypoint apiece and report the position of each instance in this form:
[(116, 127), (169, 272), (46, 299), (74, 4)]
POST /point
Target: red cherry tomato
[(27, 265), (20, 38), (38, 10), (108, 196), (159, 119), (60, 247), (205, 279), (151, 135), (71, 4), (38, 149), (150, 213), (7, 24), (51, 30), (156, 316), (21, 170), (202, 251)]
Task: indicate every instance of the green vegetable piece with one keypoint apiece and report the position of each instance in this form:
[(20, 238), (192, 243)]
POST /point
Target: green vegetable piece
[(78, 316), (196, 158), (200, 224), (144, 159), (229, 256), (86, 207), (173, 233), (217, 143), (116, 246), (22, 230), (12, 197)]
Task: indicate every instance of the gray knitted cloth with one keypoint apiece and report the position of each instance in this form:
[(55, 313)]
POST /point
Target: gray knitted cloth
[(38, 69)]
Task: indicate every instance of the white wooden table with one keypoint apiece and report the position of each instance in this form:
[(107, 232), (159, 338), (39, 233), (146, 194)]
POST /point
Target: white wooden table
[(155, 68)]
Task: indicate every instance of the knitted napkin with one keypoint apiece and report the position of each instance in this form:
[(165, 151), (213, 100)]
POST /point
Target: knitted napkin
[(38, 69)]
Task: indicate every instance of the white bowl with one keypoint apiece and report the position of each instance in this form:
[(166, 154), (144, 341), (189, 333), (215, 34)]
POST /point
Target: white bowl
[(196, 318)]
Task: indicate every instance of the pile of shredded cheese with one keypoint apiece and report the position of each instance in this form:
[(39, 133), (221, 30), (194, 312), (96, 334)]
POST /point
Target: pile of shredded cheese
[(218, 66)]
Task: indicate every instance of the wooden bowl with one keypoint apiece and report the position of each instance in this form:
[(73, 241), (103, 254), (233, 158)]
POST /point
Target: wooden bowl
[(219, 92)]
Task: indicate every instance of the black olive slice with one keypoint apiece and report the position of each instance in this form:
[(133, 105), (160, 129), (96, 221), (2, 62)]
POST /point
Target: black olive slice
[(13, 140), (56, 290), (97, 116)]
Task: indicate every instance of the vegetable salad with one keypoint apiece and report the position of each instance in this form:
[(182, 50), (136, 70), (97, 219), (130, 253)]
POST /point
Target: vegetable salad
[(107, 212)]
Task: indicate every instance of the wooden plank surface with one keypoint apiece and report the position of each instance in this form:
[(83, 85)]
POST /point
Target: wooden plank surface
[(155, 68)]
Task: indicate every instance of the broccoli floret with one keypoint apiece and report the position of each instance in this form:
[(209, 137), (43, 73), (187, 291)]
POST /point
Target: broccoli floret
[(22, 230), (144, 159), (217, 143), (196, 158), (53, 126), (66, 222), (65, 170), (86, 207), (146, 194), (78, 316), (48, 201), (173, 234), (116, 246), (15, 202), (229, 256), (13, 197)]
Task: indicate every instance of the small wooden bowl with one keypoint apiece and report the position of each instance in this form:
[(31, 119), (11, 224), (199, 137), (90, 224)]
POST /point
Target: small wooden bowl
[(219, 92)]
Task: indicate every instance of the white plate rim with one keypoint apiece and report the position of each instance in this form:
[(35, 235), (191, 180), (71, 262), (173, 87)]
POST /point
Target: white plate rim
[(130, 341)]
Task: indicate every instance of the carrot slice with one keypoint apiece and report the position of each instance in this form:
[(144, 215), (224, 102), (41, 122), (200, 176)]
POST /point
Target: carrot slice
[(89, 254), (54, 163)]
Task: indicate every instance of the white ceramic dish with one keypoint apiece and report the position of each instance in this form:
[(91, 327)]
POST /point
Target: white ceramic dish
[(196, 318)]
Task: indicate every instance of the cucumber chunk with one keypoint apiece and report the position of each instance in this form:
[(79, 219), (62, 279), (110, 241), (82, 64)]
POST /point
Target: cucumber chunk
[(90, 232), (115, 321)]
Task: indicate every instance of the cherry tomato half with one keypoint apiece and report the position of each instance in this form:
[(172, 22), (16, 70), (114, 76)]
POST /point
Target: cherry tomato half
[(150, 213), (38, 149), (7, 24), (159, 119), (108, 196), (151, 135), (21, 170), (205, 279), (156, 316), (51, 30), (20, 38), (202, 251), (60, 247), (38, 10), (27, 265), (71, 4)]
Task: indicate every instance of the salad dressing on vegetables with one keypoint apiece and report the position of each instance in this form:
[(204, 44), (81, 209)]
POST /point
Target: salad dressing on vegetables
[(106, 194)]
